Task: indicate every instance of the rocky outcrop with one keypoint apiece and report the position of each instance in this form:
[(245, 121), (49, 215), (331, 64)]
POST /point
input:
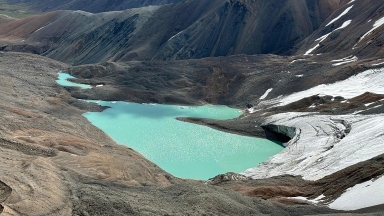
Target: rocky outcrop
[(226, 177), (5, 192)]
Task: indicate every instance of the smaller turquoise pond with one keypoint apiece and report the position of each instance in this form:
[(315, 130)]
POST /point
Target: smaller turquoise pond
[(62, 80), (183, 149)]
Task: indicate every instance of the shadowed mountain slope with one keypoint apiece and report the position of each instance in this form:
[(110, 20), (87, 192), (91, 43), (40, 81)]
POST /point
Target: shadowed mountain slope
[(189, 29), (355, 29), (89, 5)]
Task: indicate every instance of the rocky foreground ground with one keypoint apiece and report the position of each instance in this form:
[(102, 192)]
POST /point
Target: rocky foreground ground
[(54, 162)]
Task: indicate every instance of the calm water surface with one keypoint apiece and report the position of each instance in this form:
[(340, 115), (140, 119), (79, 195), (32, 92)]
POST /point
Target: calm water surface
[(183, 149), (62, 80)]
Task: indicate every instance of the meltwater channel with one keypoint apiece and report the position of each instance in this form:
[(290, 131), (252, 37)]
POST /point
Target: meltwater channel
[(183, 149)]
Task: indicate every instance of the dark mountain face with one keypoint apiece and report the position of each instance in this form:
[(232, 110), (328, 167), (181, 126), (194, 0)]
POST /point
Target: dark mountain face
[(355, 29), (189, 29), (90, 5), (247, 27), (320, 10)]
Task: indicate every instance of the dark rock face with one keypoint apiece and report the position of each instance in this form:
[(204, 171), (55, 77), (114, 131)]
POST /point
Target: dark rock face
[(248, 27), (348, 41), (185, 30), (90, 5)]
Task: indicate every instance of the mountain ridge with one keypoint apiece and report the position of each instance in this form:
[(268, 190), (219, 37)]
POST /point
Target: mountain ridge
[(214, 28), (89, 6), (325, 102)]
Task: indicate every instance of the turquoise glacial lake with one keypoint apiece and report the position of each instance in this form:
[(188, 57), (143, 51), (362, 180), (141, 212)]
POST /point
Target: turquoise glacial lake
[(183, 149), (62, 80)]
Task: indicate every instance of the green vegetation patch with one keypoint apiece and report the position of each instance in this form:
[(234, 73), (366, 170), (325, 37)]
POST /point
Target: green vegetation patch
[(15, 10)]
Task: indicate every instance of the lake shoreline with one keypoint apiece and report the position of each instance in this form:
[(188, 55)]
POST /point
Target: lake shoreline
[(184, 150)]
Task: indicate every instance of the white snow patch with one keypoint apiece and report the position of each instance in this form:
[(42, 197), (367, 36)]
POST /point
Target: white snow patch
[(9, 17), (357, 112), (317, 199), (351, 1), (299, 198), (174, 36), (296, 60), (367, 81), (322, 38), (342, 14), (362, 195), (266, 94), (253, 110), (381, 63), (377, 24), (370, 108), (367, 104), (345, 60), (41, 28), (345, 24), (300, 75), (311, 50), (305, 199), (101, 85)]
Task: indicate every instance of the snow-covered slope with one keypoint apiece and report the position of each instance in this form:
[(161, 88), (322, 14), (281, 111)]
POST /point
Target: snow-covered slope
[(325, 144), (362, 195), (367, 81), (320, 148)]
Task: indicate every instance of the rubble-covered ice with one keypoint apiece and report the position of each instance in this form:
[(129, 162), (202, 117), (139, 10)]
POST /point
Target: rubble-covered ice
[(324, 144)]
